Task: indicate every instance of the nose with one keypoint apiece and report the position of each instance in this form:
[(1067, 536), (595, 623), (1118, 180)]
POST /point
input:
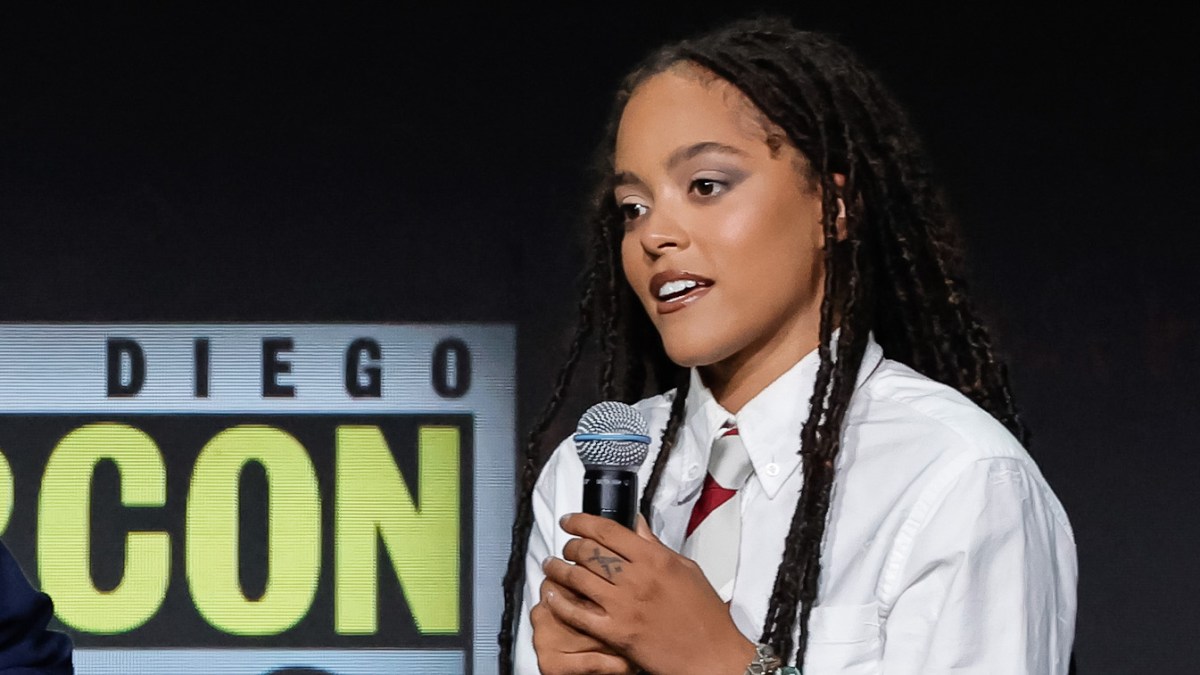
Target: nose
[(662, 233)]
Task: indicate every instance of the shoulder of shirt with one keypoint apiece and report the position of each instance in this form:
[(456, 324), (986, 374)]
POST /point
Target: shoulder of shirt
[(936, 411), (950, 432)]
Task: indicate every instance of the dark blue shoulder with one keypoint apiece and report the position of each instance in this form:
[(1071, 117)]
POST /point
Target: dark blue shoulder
[(27, 647)]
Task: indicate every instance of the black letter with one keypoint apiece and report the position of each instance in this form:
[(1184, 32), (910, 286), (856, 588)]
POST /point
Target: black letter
[(273, 367), (451, 348), (200, 373), (374, 386), (118, 349)]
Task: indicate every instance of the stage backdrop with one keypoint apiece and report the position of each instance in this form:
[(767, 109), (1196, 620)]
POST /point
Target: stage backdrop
[(245, 499)]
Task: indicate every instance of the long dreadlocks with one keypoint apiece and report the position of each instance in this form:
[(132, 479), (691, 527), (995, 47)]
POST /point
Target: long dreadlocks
[(896, 273)]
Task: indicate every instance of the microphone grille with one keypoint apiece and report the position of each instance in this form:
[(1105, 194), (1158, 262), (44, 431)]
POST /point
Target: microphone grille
[(612, 418)]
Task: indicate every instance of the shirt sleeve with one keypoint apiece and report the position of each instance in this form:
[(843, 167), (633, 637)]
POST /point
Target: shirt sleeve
[(26, 646), (984, 575), (543, 542)]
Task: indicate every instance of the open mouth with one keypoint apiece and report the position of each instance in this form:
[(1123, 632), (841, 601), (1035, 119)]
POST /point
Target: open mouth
[(671, 288), (674, 290)]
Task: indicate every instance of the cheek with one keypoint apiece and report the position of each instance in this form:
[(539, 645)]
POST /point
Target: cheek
[(774, 252), (630, 261), (759, 239)]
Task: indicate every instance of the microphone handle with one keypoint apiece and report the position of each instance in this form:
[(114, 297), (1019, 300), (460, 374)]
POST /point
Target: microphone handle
[(612, 493)]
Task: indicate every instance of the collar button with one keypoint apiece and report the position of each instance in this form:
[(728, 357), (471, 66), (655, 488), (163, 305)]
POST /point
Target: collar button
[(771, 470)]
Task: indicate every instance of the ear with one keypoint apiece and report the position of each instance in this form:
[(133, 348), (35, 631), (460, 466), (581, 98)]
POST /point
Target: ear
[(840, 223)]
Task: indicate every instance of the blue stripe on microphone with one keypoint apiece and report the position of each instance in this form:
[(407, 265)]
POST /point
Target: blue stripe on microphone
[(636, 438)]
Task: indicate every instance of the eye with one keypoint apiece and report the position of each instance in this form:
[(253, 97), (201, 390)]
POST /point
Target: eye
[(632, 211), (707, 187)]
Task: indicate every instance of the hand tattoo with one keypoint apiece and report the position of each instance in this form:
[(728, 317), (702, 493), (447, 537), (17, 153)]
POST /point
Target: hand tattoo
[(611, 564)]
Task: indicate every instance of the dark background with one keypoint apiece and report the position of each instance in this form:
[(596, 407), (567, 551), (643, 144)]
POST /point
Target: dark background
[(366, 162)]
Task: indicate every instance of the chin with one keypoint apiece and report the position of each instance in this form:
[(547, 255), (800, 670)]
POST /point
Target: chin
[(689, 352)]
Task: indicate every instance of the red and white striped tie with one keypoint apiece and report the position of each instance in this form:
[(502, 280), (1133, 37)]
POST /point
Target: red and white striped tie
[(714, 531)]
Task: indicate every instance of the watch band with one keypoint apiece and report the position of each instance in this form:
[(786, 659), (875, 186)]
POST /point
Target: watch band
[(766, 663)]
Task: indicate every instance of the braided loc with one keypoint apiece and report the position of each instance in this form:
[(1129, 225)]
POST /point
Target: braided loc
[(895, 272), (627, 344)]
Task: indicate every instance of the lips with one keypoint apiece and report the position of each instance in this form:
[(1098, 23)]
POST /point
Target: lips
[(674, 290)]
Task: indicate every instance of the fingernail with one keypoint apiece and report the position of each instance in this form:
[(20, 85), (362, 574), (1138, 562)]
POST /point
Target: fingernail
[(563, 521), (546, 561)]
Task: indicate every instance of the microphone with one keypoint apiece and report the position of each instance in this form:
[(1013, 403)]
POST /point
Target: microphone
[(612, 443)]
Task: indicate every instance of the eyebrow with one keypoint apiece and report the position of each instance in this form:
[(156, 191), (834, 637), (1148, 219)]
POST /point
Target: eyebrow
[(680, 156)]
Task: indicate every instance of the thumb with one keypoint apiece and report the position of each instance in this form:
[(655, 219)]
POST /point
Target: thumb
[(643, 529)]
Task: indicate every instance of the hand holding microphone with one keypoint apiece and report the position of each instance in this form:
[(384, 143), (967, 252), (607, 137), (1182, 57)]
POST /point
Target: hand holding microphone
[(627, 595), (612, 443)]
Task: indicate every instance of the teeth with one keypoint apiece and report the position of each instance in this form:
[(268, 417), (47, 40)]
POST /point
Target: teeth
[(673, 287)]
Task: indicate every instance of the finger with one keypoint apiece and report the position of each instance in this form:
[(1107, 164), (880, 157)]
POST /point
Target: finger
[(601, 561), (551, 591), (551, 634), (577, 578), (562, 649), (548, 586), (643, 530), (581, 620), (585, 663), (611, 535), (581, 581)]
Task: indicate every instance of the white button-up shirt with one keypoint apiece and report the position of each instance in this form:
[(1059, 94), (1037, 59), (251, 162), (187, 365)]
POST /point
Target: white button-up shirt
[(946, 551)]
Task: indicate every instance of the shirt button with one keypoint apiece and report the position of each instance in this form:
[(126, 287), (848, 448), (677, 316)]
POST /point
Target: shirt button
[(693, 471), (771, 469)]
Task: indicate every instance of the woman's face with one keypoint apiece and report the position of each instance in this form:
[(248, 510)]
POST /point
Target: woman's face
[(723, 234)]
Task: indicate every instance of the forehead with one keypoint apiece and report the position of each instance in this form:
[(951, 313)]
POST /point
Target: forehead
[(685, 105)]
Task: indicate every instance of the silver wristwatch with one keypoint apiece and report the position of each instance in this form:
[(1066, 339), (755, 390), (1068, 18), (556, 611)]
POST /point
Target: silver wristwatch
[(766, 663)]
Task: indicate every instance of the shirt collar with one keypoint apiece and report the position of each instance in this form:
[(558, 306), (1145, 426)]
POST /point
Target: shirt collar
[(770, 423)]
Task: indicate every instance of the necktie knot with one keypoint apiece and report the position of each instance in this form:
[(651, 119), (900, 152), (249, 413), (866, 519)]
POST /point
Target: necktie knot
[(729, 464)]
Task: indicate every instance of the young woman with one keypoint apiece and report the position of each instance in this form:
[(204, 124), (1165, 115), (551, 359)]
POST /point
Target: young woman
[(769, 250)]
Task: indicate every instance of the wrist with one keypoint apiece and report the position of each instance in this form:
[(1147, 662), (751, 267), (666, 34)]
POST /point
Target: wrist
[(736, 656)]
